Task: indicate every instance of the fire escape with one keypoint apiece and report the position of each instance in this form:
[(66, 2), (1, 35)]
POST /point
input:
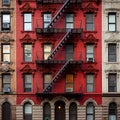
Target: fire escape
[(68, 33)]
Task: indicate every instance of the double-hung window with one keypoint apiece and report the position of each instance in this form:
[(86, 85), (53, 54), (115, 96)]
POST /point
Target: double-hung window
[(27, 21), (112, 83), (69, 52), (112, 111), (90, 53), (47, 17), (27, 52), (111, 52), (47, 50), (6, 83), (28, 82), (112, 22), (69, 21), (27, 111), (90, 112), (90, 21), (5, 22), (6, 53), (90, 82), (69, 83), (6, 2), (47, 79)]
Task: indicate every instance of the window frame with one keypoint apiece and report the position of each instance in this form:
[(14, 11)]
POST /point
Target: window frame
[(69, 83), (45, 112), (8, 23), (47, 21), (111, 53), (5, 3), (91, 53), (113, 83), (6, 53), (27, 22), (46, 52), (69, 22), (71, 112), (8, 83), (90, 104), (92, 23), (30, 83), (91, 84), (45, 84), (25, 53), (28, 114), (112, 23)]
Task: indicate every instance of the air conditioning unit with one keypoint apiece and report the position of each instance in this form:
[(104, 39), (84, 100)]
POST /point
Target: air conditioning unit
[(6, 89), (6, 25), (90, 59), (69, 89)]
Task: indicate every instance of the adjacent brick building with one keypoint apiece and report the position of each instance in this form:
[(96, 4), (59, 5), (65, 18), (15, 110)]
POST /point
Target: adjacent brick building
[(7, 60), (58, 44)]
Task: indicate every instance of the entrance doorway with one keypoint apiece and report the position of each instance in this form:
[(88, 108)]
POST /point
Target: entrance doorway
[(59, 110)]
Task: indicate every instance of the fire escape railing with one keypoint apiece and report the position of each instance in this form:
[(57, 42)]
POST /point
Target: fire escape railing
[(62, 9), (56, 77), (63, 41)]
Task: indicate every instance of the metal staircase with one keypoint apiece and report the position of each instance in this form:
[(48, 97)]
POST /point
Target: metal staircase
[(63, 41), (59, 13), (56, 77)]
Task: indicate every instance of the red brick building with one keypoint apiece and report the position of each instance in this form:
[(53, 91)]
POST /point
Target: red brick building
[(59, 59)]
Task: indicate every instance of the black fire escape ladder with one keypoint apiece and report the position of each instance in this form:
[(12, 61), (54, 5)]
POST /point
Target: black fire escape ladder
[(59, 13), (56, 77), (60, 44)]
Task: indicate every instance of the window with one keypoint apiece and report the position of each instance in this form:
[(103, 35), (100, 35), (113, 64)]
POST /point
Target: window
[(28, 53), (112, 111), (73, 111), (6, 53), (6, 83), (90, 82), (112, 22), (90, 113), (69, 21), (27, 111), (112, 85), (28, 82), (90, 53), (46, 111), (6, 111), (47, 50), (111, 52), (47, 79), (89, 21), (5, 21), (69, 52), (47, 19), (27, 21), (6, 2), (69, 83)]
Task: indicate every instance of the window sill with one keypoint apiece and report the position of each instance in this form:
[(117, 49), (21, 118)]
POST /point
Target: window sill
[(112, 31), (112, 62), (27, 62), (27, 31), (85, 31), (6, 31)]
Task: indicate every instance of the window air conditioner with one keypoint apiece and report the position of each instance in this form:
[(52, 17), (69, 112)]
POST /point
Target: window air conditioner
[(90, 59), (6, 25), (69, 89), (6, 89)]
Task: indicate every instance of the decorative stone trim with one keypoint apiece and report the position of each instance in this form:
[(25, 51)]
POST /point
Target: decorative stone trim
[(6, 39)]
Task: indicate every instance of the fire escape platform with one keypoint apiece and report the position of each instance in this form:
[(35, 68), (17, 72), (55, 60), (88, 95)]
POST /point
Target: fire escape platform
[(57, 30), (42, 62), (68, 95)]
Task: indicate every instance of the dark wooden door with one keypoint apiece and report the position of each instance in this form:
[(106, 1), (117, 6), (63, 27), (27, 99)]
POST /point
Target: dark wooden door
[(59, 110)]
